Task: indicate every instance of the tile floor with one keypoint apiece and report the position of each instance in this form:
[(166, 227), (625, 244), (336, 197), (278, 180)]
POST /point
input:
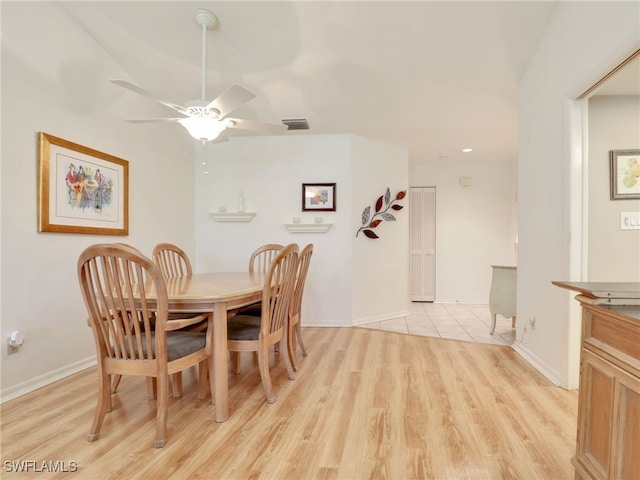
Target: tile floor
[(454, 321)]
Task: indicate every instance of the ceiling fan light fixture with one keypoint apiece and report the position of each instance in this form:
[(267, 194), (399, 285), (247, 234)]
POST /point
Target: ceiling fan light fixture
[(203, 128), (206, 120)]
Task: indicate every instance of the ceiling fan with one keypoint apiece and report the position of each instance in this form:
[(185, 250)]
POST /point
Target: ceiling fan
[(207, 120)]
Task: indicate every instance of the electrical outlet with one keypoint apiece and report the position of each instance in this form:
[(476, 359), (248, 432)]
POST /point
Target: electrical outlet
[(629, 220), (532, 320)]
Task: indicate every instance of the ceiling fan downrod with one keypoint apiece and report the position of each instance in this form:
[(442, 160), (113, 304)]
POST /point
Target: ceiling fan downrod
[(206, 20)]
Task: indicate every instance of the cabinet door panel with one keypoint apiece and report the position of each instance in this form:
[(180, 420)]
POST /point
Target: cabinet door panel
[(628, 438), (596, 413)]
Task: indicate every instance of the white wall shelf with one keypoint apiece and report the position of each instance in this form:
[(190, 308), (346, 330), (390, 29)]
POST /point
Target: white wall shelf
[(308, 227), (232, 216)]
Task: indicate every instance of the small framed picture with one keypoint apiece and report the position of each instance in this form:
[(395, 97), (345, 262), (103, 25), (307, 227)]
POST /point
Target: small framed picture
[(319, 197), (625, 174)]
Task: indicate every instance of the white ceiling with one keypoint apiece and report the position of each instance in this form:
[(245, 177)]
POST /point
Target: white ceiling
[(434, 76)]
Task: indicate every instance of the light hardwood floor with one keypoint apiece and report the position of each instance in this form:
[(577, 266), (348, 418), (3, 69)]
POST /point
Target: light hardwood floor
[(366, 404)]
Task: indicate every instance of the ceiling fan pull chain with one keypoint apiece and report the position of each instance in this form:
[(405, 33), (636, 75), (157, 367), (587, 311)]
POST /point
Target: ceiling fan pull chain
[(205, 164)]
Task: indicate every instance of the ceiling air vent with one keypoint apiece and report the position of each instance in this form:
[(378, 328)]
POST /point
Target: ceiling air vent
[(296, 123)]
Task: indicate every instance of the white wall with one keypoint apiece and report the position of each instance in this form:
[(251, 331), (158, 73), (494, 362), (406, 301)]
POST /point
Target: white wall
[(55, 79), (380, 266), (271, 170), (583, 42), (614, 254), (475, 226)]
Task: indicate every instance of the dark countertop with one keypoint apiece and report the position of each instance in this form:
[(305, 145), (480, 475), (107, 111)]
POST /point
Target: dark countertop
[(604, 289), (620, 297)]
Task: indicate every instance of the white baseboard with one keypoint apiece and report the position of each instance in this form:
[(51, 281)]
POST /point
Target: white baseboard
[(32, 384), (536, 362), (327, 324), (480, 301)]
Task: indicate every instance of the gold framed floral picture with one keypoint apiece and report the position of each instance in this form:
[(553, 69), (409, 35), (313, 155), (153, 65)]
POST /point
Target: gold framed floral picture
[(81, 190)]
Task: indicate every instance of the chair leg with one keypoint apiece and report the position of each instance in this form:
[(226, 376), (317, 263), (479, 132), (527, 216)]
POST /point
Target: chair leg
[(177, 384), (203, 377), (162, 407), (287, 359), (263, 365), (291, 345), (294, 339), (235, 362), (107, 399), (103, 406), (291, 350), (493, 324), (115, 382), (212, 385), (151, 388), (299, 339)]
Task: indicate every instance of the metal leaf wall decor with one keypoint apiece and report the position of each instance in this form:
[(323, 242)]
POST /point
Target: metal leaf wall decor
[(370, 222)]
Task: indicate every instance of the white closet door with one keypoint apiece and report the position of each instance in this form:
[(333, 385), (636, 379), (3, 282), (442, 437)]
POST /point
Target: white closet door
[(422, 243)]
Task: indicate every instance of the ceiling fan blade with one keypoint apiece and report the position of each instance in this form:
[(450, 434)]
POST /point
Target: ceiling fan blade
[(151, 120), (258, 127), (144, 93), (232, 98), (223, 137)]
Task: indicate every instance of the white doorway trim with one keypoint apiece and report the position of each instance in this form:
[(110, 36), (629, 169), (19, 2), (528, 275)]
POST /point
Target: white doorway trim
[(578, 220)]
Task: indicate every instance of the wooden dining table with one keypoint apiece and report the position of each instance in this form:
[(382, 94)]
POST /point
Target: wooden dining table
[(216, 293)]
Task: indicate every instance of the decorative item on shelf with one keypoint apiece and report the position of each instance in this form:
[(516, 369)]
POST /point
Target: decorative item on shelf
[(369, 222), (241, 201)]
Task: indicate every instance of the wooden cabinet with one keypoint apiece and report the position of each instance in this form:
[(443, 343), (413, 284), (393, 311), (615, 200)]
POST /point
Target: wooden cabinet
[(608, 438), (608, 441)]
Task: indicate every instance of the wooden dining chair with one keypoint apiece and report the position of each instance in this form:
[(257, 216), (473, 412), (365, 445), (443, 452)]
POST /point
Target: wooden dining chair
[(248, 333), (172, 260), (294, 330), (126, 300), (115, 381), (259, 262), (262, 257), (174, 263)]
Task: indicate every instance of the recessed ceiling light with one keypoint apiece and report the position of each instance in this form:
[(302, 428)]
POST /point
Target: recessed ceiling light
[(467, 150)]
